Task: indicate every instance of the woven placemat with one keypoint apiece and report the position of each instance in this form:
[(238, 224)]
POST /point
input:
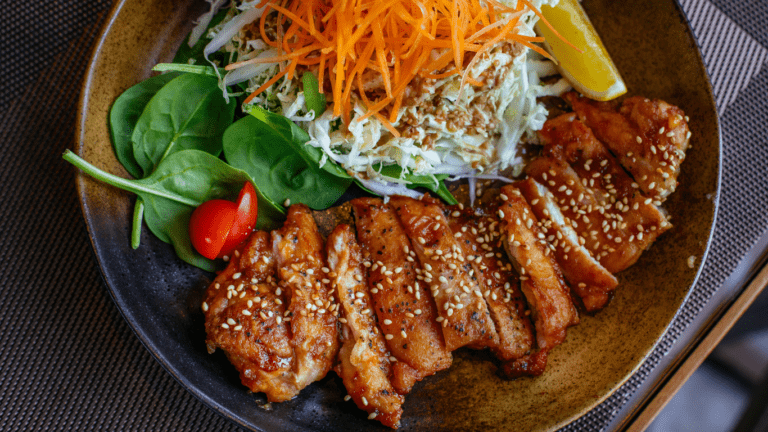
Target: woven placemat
[(70, 362)]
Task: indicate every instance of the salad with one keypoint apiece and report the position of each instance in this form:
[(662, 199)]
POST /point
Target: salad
[(304, 99)]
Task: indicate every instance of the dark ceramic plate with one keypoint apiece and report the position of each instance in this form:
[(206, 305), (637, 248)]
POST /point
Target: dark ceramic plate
[(160, 296)]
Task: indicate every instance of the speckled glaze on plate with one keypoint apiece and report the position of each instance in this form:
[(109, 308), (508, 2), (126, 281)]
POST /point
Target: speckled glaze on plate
[(159, 295)]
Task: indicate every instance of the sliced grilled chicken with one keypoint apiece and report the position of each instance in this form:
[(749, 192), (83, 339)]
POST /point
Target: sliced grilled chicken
[(649, 137), (590, 280), (569, 139), (364, 364), (243, 310), (613, 219), (542, 283), (464, 315), (300, 254), (480, 239), (405, 310)]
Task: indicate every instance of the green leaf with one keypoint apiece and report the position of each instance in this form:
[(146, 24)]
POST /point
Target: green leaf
[(445, 194), (313, 99), (185, 52), (183, 181), (125, 113), (188, 113), (277, 169), (296, 138)]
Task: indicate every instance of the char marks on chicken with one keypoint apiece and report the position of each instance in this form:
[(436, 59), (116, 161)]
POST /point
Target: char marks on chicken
[(300, 254), (649, 138), (614, 221), (244, 311), (541, 279), (403, 304), (464, 315), (364, 364), (479, 236), (589, 280)]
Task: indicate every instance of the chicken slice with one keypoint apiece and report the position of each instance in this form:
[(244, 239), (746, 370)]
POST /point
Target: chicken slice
[(542, 283), (479, 237), (464, 315), (300, 253), (364, 363), (590, 280), (649, 138), (243, 311), (613, 219), (405, 310)]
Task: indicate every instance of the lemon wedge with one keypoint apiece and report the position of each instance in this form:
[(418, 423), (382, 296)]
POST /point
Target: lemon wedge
[(591, 71)]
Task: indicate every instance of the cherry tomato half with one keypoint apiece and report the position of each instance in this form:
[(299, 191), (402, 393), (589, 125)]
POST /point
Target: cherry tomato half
[(245, 221), (218, 226)]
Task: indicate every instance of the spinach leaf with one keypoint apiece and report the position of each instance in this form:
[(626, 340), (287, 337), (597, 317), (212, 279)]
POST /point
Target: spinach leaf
[(187, 113), (181, 182), (313, 99), (125, 113), (296, 138), (195, 52), (277, 169)]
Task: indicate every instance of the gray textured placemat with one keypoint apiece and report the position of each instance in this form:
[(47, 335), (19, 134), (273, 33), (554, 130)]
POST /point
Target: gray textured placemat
[(69, 361)]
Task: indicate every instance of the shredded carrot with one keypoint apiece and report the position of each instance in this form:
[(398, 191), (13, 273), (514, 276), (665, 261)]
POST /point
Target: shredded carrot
[(343, 41)]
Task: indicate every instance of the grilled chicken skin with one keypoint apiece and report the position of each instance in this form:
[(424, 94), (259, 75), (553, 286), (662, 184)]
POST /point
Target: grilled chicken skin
[(542, 282), (480, 239), (589, 280), (364, 364), (649, 138), (244, 310), (405, 309), (299, 251), (605, 207), (464, 315)]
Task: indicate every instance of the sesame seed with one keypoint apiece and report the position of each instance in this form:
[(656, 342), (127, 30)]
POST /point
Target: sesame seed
[(224, 326), (365, 401), (388, 337), (403, 334), (205, 307), (638, 139), (439, 319), (230, 321), (372, 415), (347, 398)]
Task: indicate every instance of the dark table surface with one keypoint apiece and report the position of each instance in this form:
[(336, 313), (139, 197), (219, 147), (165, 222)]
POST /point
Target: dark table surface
[(69, 360)]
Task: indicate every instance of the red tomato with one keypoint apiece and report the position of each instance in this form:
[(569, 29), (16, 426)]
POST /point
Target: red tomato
[(245, 221), (218, 226), (210, 224)]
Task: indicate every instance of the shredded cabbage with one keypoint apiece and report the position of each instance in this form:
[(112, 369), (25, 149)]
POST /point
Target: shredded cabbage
[(465, 152)]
